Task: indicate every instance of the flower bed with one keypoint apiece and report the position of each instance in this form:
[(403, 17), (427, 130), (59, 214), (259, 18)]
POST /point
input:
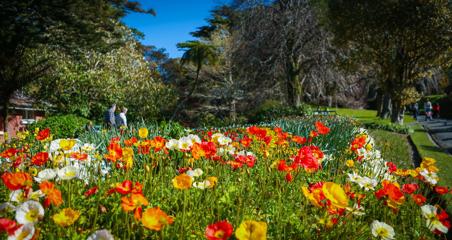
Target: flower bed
[(298, 179)]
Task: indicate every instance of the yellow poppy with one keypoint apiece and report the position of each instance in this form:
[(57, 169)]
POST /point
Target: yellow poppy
[(251, 230)]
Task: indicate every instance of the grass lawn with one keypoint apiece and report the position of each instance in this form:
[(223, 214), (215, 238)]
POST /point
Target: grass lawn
[(419, 136), (427, 148), (366, 116), (394, 147)]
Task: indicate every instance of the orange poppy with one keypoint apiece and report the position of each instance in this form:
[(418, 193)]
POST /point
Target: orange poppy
[(155, 219), (16, 181), (53, 195)]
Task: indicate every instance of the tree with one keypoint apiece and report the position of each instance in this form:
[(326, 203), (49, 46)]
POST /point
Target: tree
[(88, 84), (198, 53), (282, 42), (400, 39), (66, 25)]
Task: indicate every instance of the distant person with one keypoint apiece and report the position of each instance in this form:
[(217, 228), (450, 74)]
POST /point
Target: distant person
[(121, 119), (428, 111), (436, 109), (109, 116), (415, 110)]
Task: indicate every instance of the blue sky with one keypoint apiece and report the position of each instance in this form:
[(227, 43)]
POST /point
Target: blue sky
[(174, 21)]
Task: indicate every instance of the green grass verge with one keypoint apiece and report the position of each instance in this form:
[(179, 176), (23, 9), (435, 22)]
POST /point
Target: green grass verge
[(394, 147), (427, 148), (367, 116)]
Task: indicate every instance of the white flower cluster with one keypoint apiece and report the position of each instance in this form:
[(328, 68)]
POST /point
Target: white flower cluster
[(373, 165), (198, 173)]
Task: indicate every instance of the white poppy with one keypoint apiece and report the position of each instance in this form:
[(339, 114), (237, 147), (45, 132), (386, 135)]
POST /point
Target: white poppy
[(433, 223), (367, 183), (185, 144), (25, 232), (103, 234), (223, 140), (172, 144), (202, 185), (194, 138), (46, 174), (29, 212), (68, 172), (195, 173), (17, 196), (88, 147), (7, 207), (382, 230), (430, 177)]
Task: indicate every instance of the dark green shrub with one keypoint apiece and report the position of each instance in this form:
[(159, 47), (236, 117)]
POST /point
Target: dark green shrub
[(210, 120), (392, 127), (271, 110), (64, 126)]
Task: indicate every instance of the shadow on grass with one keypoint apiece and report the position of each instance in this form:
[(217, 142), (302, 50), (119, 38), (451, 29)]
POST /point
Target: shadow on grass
[(432, 148)]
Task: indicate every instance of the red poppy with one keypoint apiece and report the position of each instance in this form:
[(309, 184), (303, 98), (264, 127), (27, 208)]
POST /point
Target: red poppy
[(410, 188), (40, 158), (9, 226), (307, 160), (260, 133), (443, 217), (43, 134), (391, 167), (9, 153), (282, 166), (246, 141), (321, 129), (91, 191), (209, 149), (79, 156), (441, 190), (125, 187), (219, 231), (16, 181), (419, 199), (358, 142), (289, 177)]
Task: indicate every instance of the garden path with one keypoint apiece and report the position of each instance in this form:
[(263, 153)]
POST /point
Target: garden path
[(441, 132)]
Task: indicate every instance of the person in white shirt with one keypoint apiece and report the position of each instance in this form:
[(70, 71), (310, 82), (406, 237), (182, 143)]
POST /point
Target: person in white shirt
[(122, 118)]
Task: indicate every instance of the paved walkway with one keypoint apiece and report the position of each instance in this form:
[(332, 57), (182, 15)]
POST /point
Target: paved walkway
[(440, 130)]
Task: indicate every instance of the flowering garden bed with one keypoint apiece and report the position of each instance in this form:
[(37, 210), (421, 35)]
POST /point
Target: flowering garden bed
[(286, 180)]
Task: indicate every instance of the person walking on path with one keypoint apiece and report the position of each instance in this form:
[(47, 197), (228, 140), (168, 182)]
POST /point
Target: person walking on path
[(436, 109), (121, 119), (415, 110), (109, 116), (428, 111)]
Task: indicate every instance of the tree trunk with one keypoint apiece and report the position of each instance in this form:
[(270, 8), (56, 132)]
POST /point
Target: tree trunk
[(379, 103), (397, 113), (387, 106), (294, 89), (233, 113)]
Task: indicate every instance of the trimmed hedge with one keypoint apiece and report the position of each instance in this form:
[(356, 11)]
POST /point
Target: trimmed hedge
[(63, 126)]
